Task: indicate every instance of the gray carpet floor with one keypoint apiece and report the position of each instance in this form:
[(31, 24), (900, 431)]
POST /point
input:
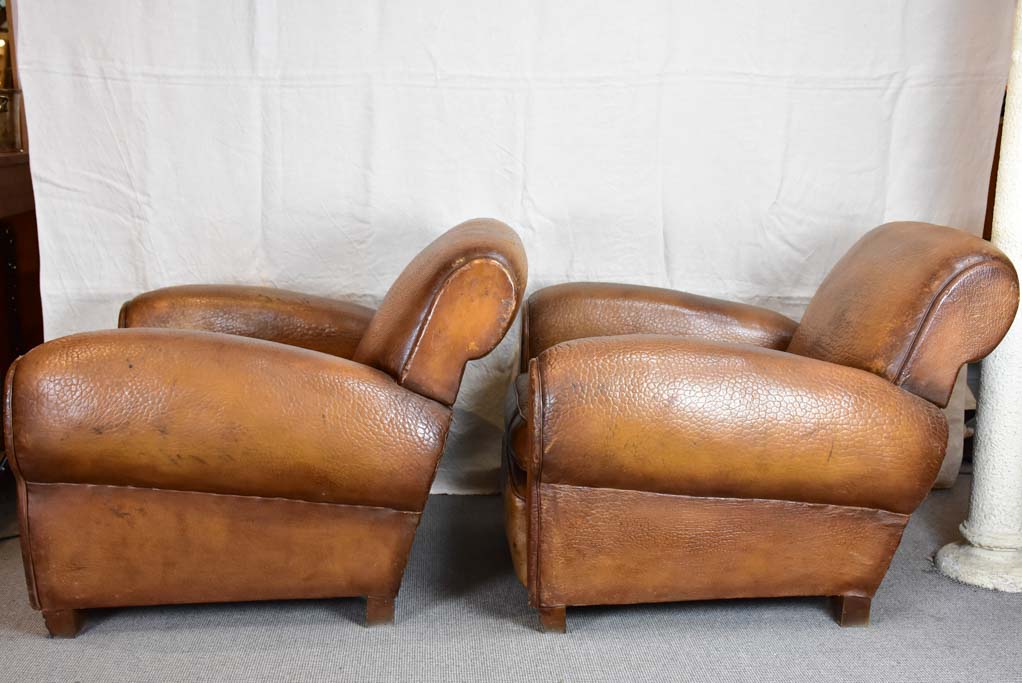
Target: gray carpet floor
[(462, 616)]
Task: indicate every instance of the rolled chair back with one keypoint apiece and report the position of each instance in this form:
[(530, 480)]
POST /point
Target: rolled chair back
[(453, 303), (912, 302)]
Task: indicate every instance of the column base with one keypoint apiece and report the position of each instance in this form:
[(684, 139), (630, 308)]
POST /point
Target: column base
[(999, 570)]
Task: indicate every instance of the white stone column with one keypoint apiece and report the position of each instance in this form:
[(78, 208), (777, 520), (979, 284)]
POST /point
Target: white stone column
[(991, 554)]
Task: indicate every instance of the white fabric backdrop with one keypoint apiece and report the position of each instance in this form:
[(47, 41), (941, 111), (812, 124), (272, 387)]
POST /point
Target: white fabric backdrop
[(727, 148)]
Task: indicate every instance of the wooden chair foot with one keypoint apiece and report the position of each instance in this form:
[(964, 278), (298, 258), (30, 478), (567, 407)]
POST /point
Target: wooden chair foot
[(553, 619), (379, 611), (851, 610), (64, 623)]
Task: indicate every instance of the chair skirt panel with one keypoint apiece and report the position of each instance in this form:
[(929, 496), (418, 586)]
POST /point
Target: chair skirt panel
[(111, 546), (605, 546)]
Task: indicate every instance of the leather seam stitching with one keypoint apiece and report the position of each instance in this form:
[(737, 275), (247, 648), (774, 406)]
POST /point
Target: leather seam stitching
[(223, 495), (538, 405), (906, 515), (920, 330), (406, 367)]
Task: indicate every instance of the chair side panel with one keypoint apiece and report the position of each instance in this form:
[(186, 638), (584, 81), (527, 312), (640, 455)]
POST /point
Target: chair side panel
[(606, 546), (109, 546)]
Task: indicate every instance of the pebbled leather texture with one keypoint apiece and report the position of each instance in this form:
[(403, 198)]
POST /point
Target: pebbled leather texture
[(189, 547), (578, 310), (199, 411), (222, 446), (516, 525), (912, 302), (311, 322), (703, 418), (599, 546), (517, 426), (453, 303), (718, 459)]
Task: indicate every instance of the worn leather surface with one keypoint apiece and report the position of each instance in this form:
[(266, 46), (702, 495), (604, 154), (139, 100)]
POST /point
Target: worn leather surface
[(516, 410), (311, 322), (107, 546), (689, 465), (703, 418), (591, 309), (223, 447), (514, 475), (599, 546), (911, 302), (199, 411), (20, 487), (453, 303), (516, 526)]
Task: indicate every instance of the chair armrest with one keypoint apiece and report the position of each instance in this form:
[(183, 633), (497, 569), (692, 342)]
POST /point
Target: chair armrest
[(197, 411), (311, 322), (578, 310), (695, 417)]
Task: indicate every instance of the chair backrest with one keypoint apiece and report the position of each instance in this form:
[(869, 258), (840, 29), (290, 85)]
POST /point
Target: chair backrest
[(453, 303), (912, 302)]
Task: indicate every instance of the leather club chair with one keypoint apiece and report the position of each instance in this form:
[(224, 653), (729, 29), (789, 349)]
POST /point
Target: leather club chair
[(664, 446), (190, 464)]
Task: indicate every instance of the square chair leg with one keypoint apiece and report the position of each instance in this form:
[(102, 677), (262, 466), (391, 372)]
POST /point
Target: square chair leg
[(64, 623), (553, 619), (379, 611), (851, 610)]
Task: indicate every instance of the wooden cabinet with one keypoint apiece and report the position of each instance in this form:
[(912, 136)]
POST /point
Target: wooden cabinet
[(21, 316)]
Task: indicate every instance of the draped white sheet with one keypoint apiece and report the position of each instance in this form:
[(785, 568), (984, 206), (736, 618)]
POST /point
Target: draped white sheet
[(733, 148)]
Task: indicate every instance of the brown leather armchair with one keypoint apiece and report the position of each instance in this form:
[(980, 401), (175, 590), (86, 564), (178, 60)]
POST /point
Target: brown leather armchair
[(190, 464), (664, 446)]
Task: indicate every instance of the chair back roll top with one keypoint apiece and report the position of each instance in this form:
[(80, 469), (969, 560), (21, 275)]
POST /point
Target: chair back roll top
[(912, 303), (453, 303)]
